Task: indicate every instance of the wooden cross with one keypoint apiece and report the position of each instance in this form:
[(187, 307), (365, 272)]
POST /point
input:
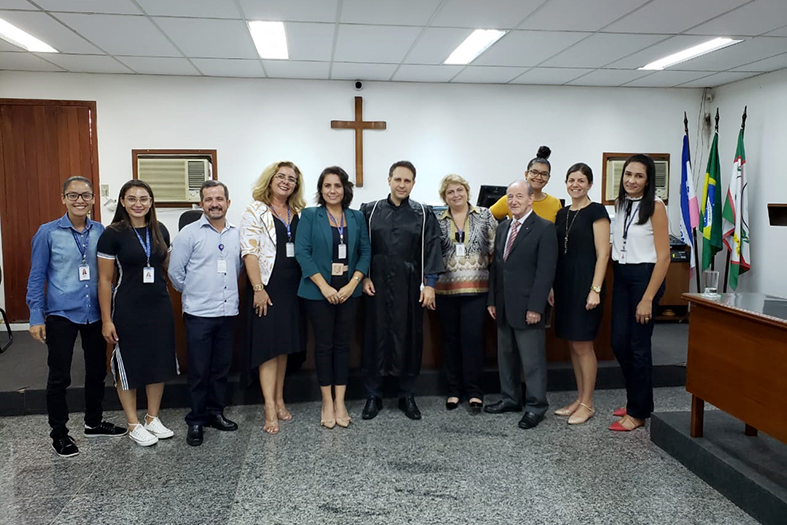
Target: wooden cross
[(358, 125)]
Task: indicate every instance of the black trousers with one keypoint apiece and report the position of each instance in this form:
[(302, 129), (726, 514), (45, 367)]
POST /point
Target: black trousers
[(61, 334), (462, 317), (334, 326), (209, 342), (631, 341)]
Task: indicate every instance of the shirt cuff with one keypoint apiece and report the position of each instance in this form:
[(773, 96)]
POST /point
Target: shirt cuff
[(431, 279), (37, 318)]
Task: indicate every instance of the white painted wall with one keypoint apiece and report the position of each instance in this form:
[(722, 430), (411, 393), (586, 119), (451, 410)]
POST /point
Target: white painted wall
[(766, 135), (486, 133)]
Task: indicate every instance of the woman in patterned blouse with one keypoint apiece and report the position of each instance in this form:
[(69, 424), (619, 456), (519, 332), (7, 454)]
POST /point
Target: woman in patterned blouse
[(467, 239)]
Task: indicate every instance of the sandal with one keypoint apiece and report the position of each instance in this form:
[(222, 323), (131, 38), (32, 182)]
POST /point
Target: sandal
[(271, 427), (619, 412), (283, 414), (578, 420), (618, 426), (566, 410)]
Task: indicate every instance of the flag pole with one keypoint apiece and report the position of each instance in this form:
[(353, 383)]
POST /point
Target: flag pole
[(713, 259), (729, 253), (693, 230)]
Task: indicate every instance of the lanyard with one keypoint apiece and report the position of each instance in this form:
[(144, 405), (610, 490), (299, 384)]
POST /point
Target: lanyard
[(339, 227), (221, 249), (287, 224), (627, 221), (460, 233), (146, 244), (82, 246)]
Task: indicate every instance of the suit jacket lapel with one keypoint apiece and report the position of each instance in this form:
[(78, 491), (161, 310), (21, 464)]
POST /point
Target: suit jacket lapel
[(322, 223), (524, 230), (352, 232)]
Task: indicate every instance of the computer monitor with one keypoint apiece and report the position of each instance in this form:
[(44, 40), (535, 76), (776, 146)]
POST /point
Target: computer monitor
[(488, 195)]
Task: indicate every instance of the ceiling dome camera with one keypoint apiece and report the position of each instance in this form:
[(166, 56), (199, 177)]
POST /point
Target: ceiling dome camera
[(358, 85)]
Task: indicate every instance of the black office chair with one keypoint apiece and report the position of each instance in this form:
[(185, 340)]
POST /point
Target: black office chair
[(5, 346), (188, 217)]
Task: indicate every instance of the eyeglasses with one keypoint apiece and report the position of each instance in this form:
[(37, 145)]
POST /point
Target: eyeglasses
[(284, 178), (536, 173), (133, 200), (73, 197)]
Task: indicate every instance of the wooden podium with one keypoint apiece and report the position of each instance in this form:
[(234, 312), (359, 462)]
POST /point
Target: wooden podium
[(738, 360)]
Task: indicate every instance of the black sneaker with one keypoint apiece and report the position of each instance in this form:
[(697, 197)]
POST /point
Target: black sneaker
[(65, 447), (105, 428)]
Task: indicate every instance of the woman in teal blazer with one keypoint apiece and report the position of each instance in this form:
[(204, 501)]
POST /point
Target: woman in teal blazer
[(334, 252)]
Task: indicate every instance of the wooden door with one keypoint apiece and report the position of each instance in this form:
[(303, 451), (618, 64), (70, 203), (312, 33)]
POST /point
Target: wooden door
[(42, 143)]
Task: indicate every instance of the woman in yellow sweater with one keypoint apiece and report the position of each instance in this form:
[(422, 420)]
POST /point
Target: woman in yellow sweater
[(537, 174)]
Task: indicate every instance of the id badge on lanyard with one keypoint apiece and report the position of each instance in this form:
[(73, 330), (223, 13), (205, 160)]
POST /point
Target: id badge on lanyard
[(221, 265), (84, 269), (460, 249), (148, 272)]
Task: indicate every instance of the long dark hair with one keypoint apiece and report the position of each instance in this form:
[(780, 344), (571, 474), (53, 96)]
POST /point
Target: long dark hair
[(347, 185), (122, 221), (542, 157), (648, 203)]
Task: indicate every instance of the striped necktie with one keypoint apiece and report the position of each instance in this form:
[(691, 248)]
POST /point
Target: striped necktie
[(510, 243)]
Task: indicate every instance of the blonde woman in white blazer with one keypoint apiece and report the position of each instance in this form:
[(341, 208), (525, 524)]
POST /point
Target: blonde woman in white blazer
[(267, 231)]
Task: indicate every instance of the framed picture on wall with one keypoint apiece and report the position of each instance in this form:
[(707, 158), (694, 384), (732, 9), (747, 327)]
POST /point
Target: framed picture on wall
[(612, 170)]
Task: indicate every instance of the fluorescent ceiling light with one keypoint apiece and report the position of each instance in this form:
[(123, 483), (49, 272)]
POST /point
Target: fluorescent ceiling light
[(270, 39), (692, 52), (478, 42), (19, 38)]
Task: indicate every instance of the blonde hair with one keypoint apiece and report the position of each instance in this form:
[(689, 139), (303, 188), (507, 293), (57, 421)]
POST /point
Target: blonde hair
[(453, 179), (261, 191)]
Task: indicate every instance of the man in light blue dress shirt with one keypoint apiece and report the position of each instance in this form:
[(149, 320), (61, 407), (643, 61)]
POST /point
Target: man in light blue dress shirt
[(205, 265), (62, 295)]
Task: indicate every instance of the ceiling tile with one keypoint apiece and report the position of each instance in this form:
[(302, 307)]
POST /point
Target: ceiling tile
[(608, 77), (87, 63), (307, 41), (217, 67), (118, 7), (353, 71), (667, 78), (658, 50), (527, 48), (373, 44), (385, 12), (17, 4), (751, 19), (736, 55), (488, 74), (121, 35), (501, 14), (601, 49), (779, 32), (672, 16), (769, 64), (290, 10), (159, 65), (290, 69), (570, 15), (24, 62), (549, 76), (209, 38), (191, 8), (7, 46), (435, 45), (419, 73), (718, 79), (44, 27)]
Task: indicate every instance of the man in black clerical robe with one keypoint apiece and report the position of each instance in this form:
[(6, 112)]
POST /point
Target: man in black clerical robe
[(406, 263)]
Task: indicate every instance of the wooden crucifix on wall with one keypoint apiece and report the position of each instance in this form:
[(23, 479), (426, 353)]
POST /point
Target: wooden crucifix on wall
[(358, 125)]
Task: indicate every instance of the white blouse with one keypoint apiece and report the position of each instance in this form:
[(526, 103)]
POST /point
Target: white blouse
[(258, 237), (640, 246)]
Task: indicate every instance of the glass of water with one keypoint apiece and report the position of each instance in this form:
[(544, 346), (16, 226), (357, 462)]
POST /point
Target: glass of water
[(711, 278)]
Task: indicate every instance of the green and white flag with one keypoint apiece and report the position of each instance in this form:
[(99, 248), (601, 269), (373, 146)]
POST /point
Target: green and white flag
[(735, 217)]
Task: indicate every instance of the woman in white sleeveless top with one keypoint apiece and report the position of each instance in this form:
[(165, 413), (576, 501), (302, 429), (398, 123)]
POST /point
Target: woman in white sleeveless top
[(640, 251)]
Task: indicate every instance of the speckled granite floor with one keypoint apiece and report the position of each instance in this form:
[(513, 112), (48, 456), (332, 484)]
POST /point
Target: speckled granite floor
[(450, 467)]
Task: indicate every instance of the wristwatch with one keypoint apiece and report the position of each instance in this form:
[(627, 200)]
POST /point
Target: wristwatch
[(257, 288), (596, 289)]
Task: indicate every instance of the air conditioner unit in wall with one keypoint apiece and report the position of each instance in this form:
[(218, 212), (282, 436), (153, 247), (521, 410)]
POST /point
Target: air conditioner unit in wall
[(174, 179)]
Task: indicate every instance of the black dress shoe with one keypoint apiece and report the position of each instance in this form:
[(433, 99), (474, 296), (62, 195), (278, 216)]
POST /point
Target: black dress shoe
[(501, 407), (410, 409), (373, 406), (222, 423), (194, 436), (475, 407), (530, 420)]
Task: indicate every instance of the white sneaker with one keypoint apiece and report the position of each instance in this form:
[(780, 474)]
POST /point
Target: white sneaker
[(157, 428), (142, 437)]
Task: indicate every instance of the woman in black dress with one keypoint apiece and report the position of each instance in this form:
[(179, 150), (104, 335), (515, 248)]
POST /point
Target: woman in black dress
[(268, 229), (137, 317), (583, 253)]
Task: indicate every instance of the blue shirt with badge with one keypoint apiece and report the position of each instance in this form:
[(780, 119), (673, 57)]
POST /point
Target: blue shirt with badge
[(204, 264), (60, 283)]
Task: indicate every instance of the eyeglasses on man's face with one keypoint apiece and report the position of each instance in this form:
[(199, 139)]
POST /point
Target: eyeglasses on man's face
[(284, 178), (133, 200), (537, 173), (73, 196)]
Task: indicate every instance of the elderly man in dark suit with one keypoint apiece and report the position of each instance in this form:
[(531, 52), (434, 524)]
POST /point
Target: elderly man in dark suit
[(519, 282)]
